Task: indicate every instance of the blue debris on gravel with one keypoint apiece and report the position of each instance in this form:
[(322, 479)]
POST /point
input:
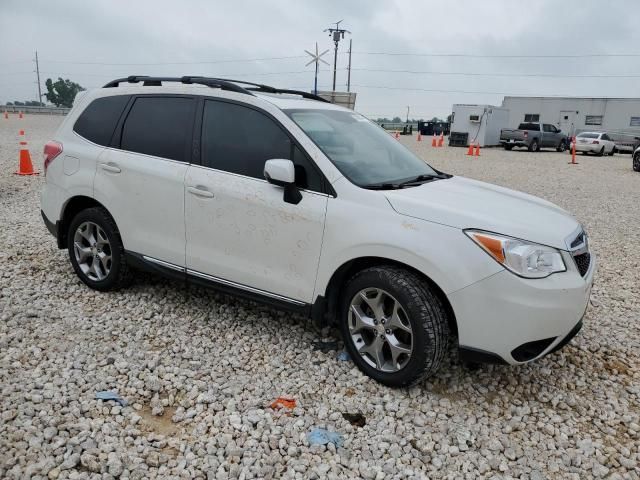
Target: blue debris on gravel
[(344, 356), (320, 436), (107, 395)]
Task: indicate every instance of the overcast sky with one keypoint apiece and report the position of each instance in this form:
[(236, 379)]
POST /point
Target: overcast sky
[(92, 42)]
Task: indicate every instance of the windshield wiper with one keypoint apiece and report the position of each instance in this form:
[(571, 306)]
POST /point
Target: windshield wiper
[(423, 178), (382, 186)]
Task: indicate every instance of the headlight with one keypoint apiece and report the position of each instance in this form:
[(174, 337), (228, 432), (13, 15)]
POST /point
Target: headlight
[(523, 258)]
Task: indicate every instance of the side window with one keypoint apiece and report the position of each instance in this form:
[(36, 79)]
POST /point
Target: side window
[(159, 126), (98, 121), (547, 128), (240, 140)]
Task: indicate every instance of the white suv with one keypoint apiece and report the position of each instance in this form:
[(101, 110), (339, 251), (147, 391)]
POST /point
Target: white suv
[(281, 197)]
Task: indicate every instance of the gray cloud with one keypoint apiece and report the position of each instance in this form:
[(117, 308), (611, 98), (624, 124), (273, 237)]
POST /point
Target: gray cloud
[(79, 40)]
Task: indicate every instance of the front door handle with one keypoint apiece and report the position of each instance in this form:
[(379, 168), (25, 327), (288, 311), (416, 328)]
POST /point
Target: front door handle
[(200, 191), (110, 167)]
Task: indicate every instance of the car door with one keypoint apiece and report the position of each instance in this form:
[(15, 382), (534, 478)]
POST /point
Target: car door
[(140, 179), (547, 135), (608, 143), (240, 232)]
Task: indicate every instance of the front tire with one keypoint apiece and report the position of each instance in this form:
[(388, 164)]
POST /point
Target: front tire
[(561, 147), (636, 162), (96, 250), (612, 152), (601, 152), (394, 325)]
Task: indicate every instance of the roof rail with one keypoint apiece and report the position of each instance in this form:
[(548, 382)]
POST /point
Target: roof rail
[(222, 83), (157, 81)]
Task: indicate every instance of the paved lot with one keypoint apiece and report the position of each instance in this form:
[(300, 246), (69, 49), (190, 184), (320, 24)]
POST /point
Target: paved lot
[(199, 369)]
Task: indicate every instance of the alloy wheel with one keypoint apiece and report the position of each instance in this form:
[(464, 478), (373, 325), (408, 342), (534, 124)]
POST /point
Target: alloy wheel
[(92, 251), (380, 330)]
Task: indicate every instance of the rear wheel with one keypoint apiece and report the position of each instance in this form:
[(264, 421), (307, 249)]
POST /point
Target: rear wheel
[(508, 147), (96, 251), (534, 146), (394, 325), (636, 162)]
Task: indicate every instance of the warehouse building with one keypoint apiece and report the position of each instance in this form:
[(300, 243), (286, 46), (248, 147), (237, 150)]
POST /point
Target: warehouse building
[(619, 117)]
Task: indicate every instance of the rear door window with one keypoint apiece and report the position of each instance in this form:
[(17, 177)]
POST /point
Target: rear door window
[(98, 121), (160, 126), (239, 139)]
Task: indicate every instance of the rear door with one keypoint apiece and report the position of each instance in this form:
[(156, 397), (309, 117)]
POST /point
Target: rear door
[(240, 232), (140, 179)]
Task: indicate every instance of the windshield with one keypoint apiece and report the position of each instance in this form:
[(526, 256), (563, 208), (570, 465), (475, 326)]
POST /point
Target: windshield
[(360, 149)]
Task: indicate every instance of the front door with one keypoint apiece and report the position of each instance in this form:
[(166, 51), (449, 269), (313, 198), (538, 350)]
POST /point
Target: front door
[(567, 122), (239, 230)]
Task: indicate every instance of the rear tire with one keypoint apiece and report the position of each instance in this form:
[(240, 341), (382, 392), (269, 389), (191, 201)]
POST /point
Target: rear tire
[(386, 312), (96, 250), (534, 146), (508, 147), (636, 162)]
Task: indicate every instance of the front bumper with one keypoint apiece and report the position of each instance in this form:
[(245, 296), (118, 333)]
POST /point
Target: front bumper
[(513, 320)]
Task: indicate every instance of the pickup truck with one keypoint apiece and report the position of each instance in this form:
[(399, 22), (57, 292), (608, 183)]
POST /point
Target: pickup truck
[(533, 136)]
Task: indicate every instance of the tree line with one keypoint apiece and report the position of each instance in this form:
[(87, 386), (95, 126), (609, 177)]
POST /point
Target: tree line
[(61, 93)]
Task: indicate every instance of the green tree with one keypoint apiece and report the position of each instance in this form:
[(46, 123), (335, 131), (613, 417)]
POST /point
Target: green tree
[(62, 92), (396, 120)]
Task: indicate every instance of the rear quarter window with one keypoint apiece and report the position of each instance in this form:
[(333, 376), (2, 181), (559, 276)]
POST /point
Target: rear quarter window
[(98, 121)]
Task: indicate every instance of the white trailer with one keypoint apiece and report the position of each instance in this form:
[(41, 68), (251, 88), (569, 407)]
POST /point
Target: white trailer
[(481, 123)]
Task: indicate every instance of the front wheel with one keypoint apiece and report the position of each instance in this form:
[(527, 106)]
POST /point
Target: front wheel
[(561, 147), (612, 152), (601, 152), (636, 162), (96, 251), (394, 325)]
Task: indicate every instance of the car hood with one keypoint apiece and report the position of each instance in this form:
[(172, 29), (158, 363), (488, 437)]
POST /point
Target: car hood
[(463, 203)]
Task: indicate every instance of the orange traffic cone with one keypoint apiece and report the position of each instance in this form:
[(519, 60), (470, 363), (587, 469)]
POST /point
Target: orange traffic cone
[(434, 142), (441, 140), (25, 165), (477, 149), (470, 150), (6, 115), (19, 114), (397, 135), (419, 136)]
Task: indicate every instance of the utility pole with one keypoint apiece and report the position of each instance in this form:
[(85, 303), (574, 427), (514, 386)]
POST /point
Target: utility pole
[(349, 69), (407, 114), (38, 75), (337, 34)]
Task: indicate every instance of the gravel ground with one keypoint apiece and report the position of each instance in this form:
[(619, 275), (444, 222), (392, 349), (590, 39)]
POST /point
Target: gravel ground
[(200, 369)]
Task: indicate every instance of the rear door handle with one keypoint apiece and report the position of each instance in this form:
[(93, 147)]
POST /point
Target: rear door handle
[(110, 167), (200, 191)]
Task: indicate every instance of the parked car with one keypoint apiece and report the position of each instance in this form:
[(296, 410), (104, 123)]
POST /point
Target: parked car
[(284, 198), (636, 159), (598, 143), (534, 136)]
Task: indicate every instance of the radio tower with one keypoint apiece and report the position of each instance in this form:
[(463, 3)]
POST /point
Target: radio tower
[(338, 34)]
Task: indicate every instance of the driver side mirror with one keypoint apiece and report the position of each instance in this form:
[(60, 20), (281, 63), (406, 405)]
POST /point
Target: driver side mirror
[(282, 173)]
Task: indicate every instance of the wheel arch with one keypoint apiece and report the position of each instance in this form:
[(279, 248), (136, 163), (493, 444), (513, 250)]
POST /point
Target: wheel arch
[(328, 310), (74, 206)]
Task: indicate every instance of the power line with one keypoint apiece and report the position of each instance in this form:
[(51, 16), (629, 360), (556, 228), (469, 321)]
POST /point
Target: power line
[(204, 62), (473, 55), (475, 74), (433, 90)]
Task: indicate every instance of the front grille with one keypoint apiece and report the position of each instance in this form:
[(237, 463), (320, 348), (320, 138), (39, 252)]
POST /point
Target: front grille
[(582, 262)]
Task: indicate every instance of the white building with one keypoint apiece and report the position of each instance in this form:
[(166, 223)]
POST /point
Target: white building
[(480, 123), (617, 116)]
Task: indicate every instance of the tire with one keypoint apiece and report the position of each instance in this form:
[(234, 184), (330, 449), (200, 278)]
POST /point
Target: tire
[(104, 273), (636, 162), (534, 146), (561, 147), (420, 311), (601, 152), (508, 148), (612, 152)]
